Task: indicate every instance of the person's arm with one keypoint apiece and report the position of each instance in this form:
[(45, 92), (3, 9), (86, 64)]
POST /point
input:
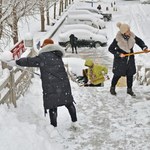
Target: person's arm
[(113, 48), (29, 62), (140, 43), (105, 69)]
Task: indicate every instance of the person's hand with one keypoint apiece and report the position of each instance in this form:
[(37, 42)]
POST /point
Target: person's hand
[(145, 49), (122, 55), (106, 77), (89, 82)]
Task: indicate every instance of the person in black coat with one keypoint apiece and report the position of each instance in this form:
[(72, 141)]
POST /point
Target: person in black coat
[(124, 65), (55, 82), (73, 42), (99, 7)]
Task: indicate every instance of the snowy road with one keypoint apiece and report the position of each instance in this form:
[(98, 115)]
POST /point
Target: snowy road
[(106, 122)]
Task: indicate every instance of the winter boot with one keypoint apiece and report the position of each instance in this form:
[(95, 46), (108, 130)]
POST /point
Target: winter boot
[(53, 117), (112, 91), (75, 126), (130, 92)]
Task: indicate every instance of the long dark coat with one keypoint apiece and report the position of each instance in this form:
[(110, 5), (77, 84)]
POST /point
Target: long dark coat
[(55, 82), (126, 65)]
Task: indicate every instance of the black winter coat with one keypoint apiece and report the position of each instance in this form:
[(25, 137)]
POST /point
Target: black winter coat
[(126, 65), (55, 82), (73, 40)]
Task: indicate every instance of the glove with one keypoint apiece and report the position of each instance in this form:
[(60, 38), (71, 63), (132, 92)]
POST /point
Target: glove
[(11, 63), (145, 49), (122, 55)]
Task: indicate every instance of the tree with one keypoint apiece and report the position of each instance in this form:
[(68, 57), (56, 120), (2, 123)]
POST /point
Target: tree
[(47, 13), (1, 26), (42, 15), (13, 10)]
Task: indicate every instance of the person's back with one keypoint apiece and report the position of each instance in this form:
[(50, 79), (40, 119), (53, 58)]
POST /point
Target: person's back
[(73, 42), (55, 82)]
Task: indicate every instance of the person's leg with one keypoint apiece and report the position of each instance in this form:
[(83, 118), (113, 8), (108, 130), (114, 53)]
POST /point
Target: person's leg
[(129, 81), (72, 48), (53, 116), (76, 49), (113, 84), (72, 111), (129, 85)]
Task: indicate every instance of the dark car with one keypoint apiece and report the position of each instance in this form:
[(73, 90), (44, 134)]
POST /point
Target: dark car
[(106, 16)]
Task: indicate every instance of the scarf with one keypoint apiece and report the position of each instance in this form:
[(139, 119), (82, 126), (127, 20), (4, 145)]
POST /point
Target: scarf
[(125, 44)]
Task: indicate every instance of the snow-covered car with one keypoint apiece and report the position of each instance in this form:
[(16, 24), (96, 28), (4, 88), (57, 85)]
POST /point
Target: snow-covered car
[(69, 27), (85, 38), (145, 1), (106, 15), (82, 12), (86, 19)]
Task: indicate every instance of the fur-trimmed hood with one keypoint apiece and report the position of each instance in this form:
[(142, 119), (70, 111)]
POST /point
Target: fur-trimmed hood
[(51, 48), (124, 44)]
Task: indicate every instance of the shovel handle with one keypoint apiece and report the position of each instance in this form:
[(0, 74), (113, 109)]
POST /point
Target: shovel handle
[(140, 52)]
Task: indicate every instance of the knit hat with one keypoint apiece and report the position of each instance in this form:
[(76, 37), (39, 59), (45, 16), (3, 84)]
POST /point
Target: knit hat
[(123, 27), (47, 41), (88, 63)]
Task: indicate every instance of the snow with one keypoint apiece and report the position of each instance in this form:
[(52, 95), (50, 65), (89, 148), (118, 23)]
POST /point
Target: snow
[(83, 26), (105, 122), (28, 36), (6, 56)]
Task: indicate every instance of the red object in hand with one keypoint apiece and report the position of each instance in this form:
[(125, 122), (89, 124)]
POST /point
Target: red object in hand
[(18, 49)]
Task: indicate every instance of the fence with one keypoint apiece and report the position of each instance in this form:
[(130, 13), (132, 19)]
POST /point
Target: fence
[(17, 80), (15, 85)]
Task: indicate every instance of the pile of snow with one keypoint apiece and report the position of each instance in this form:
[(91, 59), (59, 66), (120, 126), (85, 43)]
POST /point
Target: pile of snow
[(75, 65), (6, 56)]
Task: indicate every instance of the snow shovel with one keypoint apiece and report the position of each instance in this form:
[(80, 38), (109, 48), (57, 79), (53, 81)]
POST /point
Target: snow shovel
[(140, 52)]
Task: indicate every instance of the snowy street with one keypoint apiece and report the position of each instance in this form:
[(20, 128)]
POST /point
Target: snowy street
[(105, 122)]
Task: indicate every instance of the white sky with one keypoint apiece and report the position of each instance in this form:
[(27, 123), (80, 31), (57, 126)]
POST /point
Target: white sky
[(106, 122)]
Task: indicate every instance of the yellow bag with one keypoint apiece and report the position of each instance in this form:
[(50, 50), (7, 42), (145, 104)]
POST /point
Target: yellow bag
[(122, 82)]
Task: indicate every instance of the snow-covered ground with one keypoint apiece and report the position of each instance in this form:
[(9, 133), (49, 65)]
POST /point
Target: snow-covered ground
[(105, 122)]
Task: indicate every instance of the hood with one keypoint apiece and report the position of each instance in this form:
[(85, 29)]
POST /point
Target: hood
[(52, 48), (88, 63)]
